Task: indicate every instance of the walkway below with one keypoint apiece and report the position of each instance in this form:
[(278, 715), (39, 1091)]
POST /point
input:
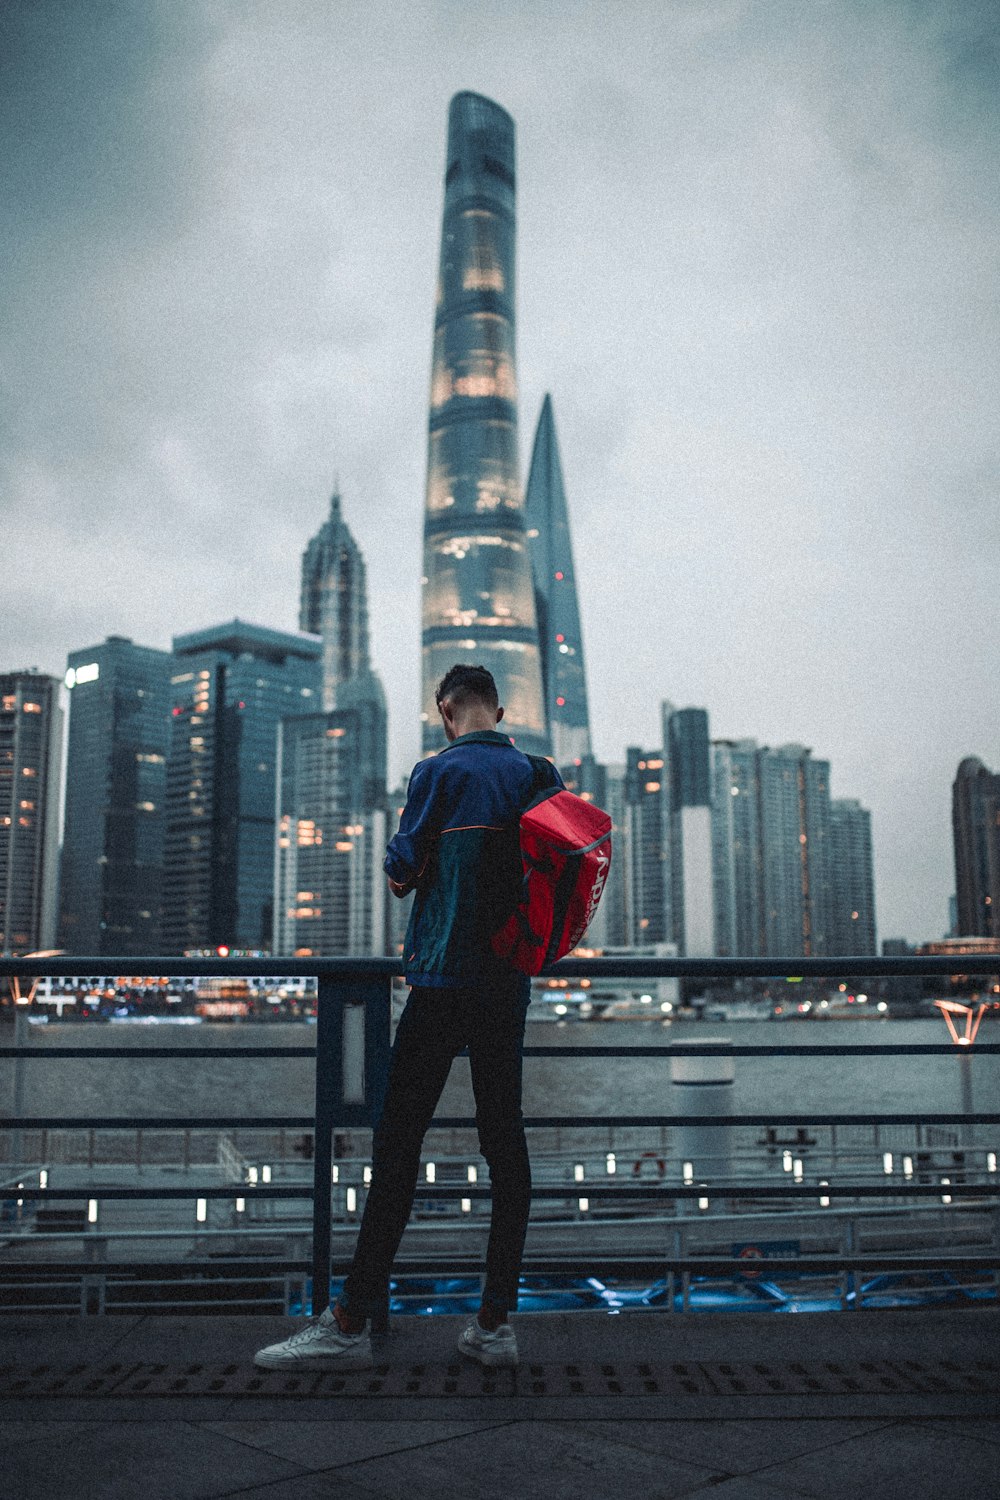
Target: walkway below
[(724, 1407)]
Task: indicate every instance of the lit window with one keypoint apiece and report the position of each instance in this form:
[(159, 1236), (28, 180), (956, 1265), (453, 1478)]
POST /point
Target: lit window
[(652, 786)]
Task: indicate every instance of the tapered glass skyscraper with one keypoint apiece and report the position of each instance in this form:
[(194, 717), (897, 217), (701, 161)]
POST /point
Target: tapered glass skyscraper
[(478, 597), (559, 634)]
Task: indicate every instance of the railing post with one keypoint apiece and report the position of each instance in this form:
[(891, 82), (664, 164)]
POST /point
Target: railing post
[(328, 1036), (352, 1053)]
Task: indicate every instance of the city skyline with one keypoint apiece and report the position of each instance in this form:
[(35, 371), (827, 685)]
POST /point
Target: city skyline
[(775, 410)]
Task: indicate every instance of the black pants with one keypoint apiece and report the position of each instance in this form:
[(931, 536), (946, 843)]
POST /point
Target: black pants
[(436, 1025)]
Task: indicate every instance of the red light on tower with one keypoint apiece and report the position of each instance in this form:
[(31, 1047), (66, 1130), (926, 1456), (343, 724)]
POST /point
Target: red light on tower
[(559, 576), (561, 702), (560, 637), (222, 950)]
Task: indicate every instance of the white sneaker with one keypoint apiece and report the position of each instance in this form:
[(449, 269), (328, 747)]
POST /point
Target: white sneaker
[(318, 1346), (495, 1350)]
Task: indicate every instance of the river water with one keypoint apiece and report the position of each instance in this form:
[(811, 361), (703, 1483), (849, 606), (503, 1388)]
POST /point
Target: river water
[(259, 1086)]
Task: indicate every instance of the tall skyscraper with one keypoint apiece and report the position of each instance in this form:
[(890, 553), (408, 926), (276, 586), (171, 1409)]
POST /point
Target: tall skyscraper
[(30, 754), (975, 814), (231, 686), (113, 841), (332, 805), (478, 596), (560, 638), (852, 879), (334, 602), (689, 843)]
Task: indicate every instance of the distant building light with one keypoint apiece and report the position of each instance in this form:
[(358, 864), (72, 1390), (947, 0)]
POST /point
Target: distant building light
[(77, 675)]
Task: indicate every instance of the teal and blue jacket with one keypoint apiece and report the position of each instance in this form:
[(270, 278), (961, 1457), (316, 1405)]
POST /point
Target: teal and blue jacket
[(458, 844)]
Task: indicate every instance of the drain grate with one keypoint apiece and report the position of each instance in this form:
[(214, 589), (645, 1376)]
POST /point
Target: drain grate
[(463, 1378)]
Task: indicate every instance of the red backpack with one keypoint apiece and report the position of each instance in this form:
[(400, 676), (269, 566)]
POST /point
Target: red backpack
[(566, 857)]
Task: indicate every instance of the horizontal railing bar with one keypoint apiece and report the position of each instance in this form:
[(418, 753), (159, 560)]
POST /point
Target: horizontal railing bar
[(776, 1117), (468, 1122), (42, 1054), (714, 1049), (860, 966), (640, 1266), (636, 1190), (157, 1122), (695, 1048)]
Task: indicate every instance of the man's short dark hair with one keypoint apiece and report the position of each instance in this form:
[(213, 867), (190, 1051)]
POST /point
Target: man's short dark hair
[(461, 683)]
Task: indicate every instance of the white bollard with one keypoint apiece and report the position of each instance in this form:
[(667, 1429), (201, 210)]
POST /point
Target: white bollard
[(702, 1084)]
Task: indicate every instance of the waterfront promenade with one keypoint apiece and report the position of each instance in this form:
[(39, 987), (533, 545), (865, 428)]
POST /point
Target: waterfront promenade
[(732, 1407)]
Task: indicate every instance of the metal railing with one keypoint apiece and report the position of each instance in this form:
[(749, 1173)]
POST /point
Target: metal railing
[(351, 1057)]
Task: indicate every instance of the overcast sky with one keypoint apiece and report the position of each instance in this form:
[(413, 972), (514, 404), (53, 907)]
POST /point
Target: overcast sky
[(757, 256)]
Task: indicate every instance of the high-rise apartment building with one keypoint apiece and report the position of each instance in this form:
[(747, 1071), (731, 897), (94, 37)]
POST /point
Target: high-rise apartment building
[(478, 595), (334, 602), (736, 850), (231, 686), (647, 863), (30, 753), (560, 637), (688, 773), (794, 795), (975, 816), (852, 879), (110, 901)]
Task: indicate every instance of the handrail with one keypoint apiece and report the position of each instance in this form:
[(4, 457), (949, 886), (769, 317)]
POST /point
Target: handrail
[(861, 966)]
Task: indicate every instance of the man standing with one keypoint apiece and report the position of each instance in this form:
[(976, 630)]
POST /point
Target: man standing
[(458, 848)]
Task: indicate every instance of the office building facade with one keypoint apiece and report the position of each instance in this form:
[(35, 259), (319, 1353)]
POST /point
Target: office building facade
[(330, 892), (852, 879), (975, 814), (30, 765), (231, 686), (111, 884), (560, 638), (478, 602)]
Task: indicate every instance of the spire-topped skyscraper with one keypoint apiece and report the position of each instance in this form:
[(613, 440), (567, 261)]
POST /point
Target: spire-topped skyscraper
[(334, 602), (563, 677), (478, 597)]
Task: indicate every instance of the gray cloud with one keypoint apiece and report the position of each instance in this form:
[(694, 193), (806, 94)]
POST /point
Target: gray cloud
[(757, 262)]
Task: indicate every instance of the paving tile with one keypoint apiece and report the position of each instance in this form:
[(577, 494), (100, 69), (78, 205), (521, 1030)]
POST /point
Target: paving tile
[(321, 1445), (745, 1487), (736, 1447), (27, 1430), (535, 1460), (57, 1339), (906, 1461), (981, 1429), (152, 1461)]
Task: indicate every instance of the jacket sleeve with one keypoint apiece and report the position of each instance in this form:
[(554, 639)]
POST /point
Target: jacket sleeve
[(410, 847)]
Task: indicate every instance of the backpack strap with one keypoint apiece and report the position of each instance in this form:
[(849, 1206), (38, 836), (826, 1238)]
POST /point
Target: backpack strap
[(542, 784)]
